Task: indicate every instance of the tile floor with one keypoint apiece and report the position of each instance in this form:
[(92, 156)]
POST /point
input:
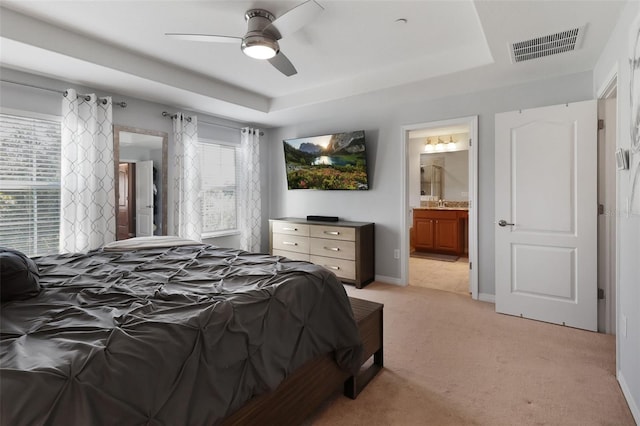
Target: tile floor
[(440, 275)]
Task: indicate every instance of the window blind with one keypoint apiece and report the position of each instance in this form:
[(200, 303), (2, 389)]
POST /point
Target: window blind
[(29, 184), (218, 186)]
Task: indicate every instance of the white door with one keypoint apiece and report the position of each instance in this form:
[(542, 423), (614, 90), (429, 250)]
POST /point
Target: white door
[(144, 199), (546, 214)]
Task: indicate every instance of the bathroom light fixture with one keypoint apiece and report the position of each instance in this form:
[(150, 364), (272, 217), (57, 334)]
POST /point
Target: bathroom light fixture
[(451, 145), (428, 147)]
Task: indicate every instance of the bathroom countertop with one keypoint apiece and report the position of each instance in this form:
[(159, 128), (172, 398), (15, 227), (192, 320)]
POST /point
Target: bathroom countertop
[(442, 208)]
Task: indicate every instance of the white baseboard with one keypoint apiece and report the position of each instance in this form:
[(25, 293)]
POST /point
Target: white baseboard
[(635, 411), (486, 297), (388, 280)]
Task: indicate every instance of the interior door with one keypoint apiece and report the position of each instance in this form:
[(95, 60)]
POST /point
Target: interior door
[(144, 198), (126, 203), (546, 214)]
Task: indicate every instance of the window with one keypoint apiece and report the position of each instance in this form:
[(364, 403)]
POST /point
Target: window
[(218, 188), (29, 184)]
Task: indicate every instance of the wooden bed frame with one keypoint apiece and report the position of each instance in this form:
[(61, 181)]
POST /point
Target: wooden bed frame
[(300, 394)]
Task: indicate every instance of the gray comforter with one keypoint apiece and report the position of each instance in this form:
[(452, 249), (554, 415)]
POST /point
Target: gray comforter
[(165, 336)]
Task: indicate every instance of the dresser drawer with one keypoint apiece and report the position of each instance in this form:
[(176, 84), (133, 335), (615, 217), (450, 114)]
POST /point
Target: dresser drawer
[(291, 243), (290, 228), (342, 268), (333, 248), (332, 232), (346, 248), (291, 255)]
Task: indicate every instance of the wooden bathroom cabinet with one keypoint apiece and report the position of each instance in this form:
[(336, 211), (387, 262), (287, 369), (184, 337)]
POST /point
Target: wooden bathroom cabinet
[(440, 230)]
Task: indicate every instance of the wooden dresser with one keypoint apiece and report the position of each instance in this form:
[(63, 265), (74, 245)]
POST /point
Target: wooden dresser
[(346, 248)]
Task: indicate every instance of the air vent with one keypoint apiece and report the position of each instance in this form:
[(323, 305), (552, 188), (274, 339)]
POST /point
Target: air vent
[(552, 44)]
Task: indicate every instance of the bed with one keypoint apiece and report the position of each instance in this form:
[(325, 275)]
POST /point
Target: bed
[(189, 334)]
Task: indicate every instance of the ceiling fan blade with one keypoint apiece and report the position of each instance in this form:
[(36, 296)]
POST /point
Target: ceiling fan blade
[(283, 64), (204, 37), (294, 19)]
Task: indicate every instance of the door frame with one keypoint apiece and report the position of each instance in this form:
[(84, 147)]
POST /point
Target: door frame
[(131, 197), (612, 307), (472, 123), (142, 180)]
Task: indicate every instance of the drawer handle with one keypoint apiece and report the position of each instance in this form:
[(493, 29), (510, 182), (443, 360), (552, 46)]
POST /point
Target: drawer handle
[(332, 232), (288, 243), (289, 229), (332, 267), (332, 248)]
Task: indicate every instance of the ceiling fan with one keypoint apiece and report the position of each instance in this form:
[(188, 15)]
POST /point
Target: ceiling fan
[(263, 32)]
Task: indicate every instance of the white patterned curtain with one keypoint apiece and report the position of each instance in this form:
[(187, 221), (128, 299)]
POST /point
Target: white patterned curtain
[(87, 193), (187, 214), (249, 211)]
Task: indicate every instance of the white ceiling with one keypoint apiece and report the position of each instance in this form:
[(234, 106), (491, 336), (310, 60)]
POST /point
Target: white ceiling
[(352, 48)]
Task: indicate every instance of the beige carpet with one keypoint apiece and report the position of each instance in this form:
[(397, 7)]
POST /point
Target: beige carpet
[(439, 275), (450, 360)]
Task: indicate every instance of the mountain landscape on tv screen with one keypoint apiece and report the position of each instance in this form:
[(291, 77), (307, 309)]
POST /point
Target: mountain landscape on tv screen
[(335, 161)]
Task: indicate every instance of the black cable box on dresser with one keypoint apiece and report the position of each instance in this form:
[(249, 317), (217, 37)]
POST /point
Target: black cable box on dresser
[(323, 218)]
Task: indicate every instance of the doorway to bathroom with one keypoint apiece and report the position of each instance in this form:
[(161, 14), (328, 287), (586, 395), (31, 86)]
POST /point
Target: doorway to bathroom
[(440, 240)]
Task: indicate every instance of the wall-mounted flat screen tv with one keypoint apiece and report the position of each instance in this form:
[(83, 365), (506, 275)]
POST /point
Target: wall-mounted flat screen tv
[(336, 161)]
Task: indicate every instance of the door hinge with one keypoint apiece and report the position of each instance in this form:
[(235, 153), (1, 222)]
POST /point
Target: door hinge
[(600, 293), (470, 141), (470, 265), (600, 208), (600, 124)]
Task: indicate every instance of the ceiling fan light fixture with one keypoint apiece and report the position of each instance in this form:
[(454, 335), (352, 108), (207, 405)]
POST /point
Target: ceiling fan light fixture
[(260, 47)]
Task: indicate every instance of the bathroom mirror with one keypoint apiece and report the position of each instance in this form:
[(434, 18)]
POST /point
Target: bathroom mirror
[(431, 169), (141, 181), (444, 176)]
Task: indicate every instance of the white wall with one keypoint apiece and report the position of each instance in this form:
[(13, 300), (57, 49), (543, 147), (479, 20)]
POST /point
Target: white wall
[(616, 55), (456, 176), (138, 113), (382, 124), (415, 148)]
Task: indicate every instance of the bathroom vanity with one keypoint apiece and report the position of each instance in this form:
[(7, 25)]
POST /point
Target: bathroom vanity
[(440, 229)]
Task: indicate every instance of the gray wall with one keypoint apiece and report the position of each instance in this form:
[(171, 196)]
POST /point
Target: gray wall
[(616, 55), (138, 113), (382, 124)]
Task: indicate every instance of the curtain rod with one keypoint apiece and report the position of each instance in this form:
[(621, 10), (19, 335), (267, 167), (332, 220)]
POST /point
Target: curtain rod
[(103, 101), (172, 116), (121, 104), (223, 125), (166, 114)]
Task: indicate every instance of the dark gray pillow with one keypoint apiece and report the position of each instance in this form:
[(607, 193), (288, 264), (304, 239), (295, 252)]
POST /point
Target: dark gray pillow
[(19, 276)]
